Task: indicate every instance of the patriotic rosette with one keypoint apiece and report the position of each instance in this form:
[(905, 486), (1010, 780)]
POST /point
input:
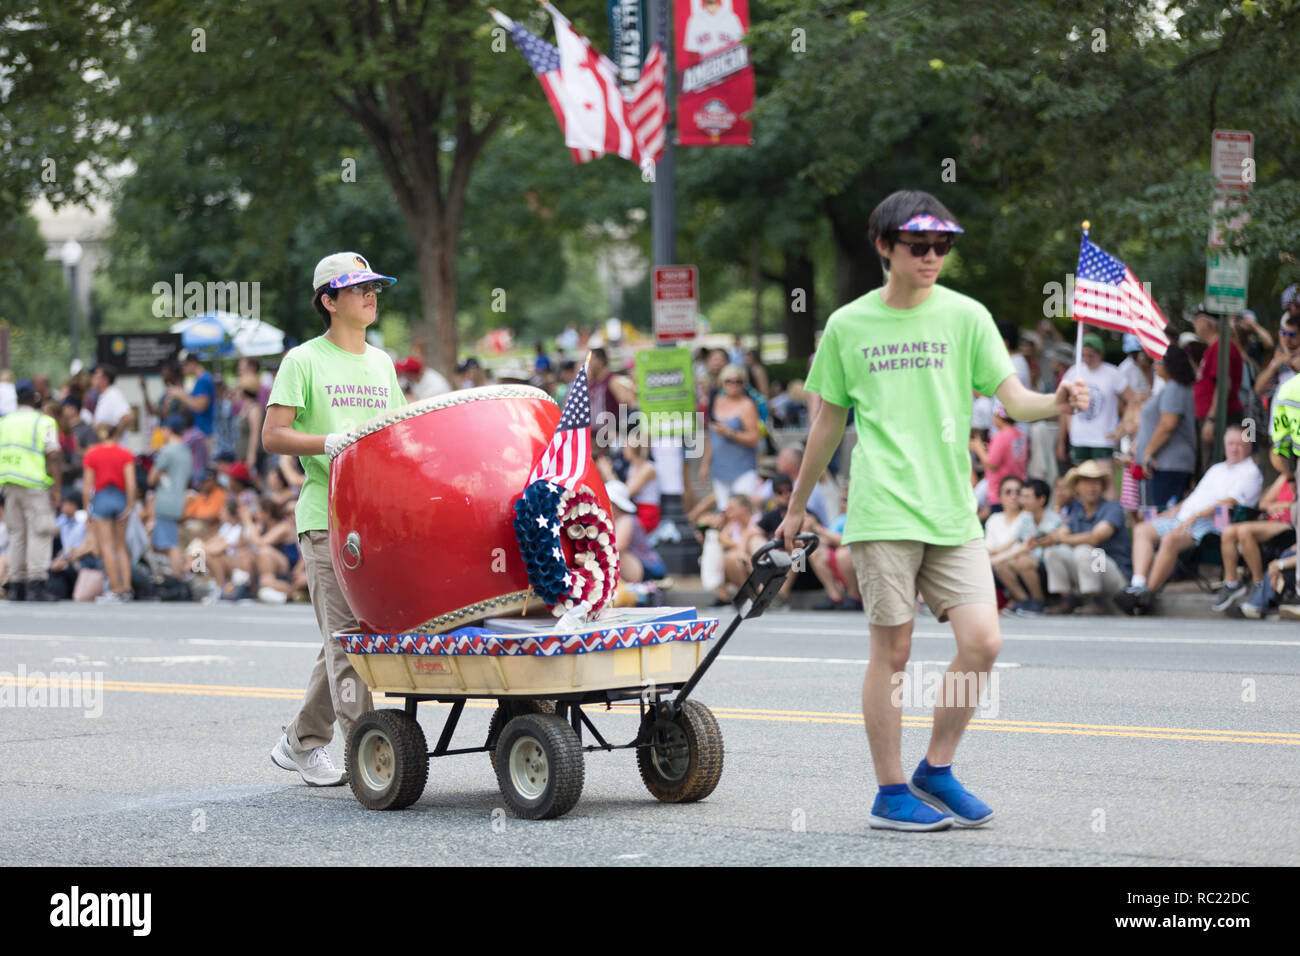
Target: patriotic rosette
[(555, 510)]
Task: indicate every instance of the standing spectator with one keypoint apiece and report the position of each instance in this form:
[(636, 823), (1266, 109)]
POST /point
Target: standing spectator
[(1137, 369), (1019, 364), (224, 429), (607, 388), (757, 373), (169, 404), (108, 492), (1071, 551), (1165, 450), (1008, 453), (248, 372), (111, 407), (31, 477), (1233, 481), (202, 397), (171, 477), (248, 430), (1286, 357), (1206, 390), (1090, 430), (197, 443), (731, 455)]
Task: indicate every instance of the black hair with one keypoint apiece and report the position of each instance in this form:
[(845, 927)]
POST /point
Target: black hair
[(895, 209), (1038, 487), (74, 401), (780, 483), (108, 371), (1010, 333), (600, 353), (1003, 483), (324, 313), (1179, 365)]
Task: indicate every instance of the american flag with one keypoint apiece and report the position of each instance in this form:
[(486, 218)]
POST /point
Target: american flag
[(1107, 293), (648, 109), (566, 458)]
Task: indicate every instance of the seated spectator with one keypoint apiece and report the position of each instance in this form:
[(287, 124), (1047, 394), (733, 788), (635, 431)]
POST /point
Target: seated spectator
[(1026, 562), (740, 536), (274, 542), (203, 509), (642, 480), (1229, 483), (637, 560), (1243, 538), (818, 573), (1000, 529), (1279, 583), (788, 462), (1093, 528), (277, 489), (227, 554), (841, 561)]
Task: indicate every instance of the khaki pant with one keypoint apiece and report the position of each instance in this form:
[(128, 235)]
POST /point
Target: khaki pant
[(1081, 569), (334, 691), (30, 520), (891, 572)]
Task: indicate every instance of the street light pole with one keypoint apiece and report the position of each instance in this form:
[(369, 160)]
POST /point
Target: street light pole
[(71, 255)]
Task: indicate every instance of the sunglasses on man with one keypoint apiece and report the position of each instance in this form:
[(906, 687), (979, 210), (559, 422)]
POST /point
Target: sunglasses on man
[(919, 249)]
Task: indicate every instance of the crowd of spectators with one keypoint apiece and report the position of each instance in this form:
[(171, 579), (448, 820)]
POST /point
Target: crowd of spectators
[(1086, 514)]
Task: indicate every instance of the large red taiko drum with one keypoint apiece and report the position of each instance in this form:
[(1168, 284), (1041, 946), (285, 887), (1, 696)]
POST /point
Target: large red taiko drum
[(421, 508)]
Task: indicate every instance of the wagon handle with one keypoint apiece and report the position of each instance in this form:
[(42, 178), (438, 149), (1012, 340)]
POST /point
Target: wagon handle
[(771, 565)]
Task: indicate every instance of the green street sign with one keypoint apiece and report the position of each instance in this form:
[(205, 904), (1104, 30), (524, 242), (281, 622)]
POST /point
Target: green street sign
[(666, 390), (1226, 277)]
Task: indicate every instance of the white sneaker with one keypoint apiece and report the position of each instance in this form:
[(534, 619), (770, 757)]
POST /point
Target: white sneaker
[(108, 597), (315, 766), (269, 595)]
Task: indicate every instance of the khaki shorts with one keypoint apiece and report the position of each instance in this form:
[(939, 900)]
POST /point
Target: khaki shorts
[(891, 572)]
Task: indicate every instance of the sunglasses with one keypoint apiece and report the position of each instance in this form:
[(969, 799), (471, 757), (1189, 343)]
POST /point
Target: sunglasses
[(919, 249), (733, 381), (365, 287), (1289, 335)]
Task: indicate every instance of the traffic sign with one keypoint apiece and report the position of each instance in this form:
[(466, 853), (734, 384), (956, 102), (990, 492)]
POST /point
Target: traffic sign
[(1232, 158), (676, 302), (1225, 283)]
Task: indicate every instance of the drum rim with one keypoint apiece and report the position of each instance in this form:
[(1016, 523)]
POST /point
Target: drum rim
[(447, 400), (514, 601)]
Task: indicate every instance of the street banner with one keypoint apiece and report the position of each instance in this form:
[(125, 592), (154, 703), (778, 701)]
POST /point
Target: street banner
[(715, 80), (137, 353), (627, 47), (666, 390)]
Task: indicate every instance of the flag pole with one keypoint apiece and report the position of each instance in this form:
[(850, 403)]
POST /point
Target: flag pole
[(1078, 338)]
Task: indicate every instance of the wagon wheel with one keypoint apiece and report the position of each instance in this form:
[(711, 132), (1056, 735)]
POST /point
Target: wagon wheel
[(541, 767), (387, 760), (683, 761), (507, 709)]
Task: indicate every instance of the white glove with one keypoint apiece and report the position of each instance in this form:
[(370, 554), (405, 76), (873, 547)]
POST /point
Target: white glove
[(332, 442)]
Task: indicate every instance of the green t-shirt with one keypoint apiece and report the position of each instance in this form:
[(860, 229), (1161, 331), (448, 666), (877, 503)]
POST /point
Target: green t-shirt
[(333, 391), (908, 376)]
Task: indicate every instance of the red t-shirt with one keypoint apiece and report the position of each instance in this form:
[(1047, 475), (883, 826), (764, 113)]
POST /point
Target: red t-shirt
[(1203, 389), (109, 463)]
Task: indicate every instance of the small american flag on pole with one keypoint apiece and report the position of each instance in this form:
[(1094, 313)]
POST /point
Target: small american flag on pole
[(1107, 293), (566, 458)]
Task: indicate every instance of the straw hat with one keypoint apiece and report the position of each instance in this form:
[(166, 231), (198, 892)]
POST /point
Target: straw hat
[(1089, 469)]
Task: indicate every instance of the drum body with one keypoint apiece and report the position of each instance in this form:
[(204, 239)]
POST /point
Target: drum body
[(421, 508)]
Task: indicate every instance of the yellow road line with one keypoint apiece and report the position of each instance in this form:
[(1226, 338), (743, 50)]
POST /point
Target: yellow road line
[(736, 713)]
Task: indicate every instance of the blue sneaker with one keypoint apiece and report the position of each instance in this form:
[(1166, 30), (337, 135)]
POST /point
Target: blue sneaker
[(902, 811), (940, 789)]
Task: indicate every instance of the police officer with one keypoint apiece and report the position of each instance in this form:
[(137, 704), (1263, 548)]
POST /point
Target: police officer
[(31, 472)]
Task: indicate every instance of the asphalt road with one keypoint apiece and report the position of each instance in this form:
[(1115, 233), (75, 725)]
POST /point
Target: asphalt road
[(1123, 741)]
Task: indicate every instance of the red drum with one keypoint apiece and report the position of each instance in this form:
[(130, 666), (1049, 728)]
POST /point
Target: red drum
[(421, 508)]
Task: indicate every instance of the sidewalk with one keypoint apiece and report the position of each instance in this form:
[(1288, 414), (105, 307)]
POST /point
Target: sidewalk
[(1180, 599)]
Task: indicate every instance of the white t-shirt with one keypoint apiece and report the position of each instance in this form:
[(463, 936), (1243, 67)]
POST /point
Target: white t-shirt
[(667, 458), (112, 407), (999, 532), (1090, 427), (709, 32), (981, 415), (8, 398), (1133, 376), (1020, 365), (1241, 482), (431, 383)]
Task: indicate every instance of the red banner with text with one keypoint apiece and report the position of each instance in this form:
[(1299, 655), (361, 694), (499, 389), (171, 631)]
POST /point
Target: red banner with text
[(715, 81)]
